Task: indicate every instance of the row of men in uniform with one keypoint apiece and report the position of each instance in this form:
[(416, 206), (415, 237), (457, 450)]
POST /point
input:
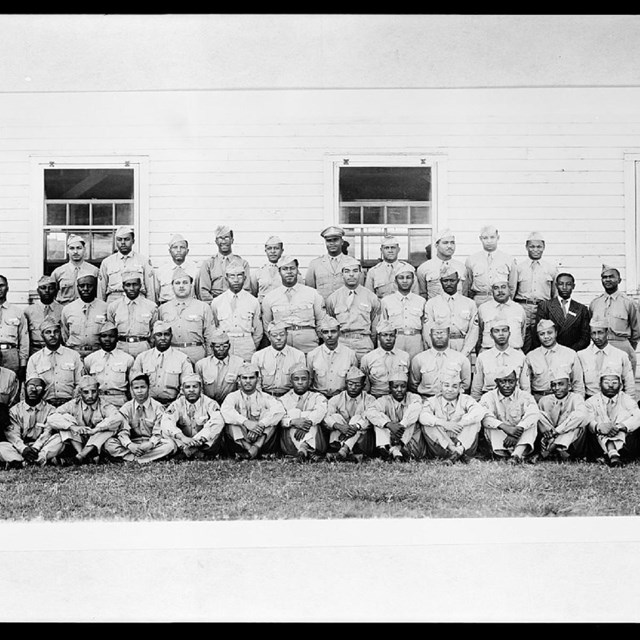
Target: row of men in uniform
[(385, 404)]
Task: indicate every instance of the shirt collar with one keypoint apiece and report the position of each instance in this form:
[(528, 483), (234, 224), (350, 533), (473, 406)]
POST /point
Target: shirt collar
[(560, 300)]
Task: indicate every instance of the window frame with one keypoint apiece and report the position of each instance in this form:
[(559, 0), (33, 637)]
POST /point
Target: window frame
[(632, 226), (435, 161), (39, 163)]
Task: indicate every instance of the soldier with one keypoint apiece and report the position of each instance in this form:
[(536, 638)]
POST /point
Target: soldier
[(484, 266), (563, 419), (394, 417), (60, 367), (251, 417), (430, 272), (140, 437), (384, 361), (211, 281), (548, 356), (500, 355), (614, 418), (511, 420), (275, 361), (133, 315), (350, 434), (428, 367), (458, 311), (324, 273), (381, 278), (220, 370), (267, 277), (27, 435), (125, 259), (45, 306), (238, 313), (66, 275), (110, 366), (164, 365), (301, 433), (620, 311), (329, 362), (501, 305), (81, 319), (535, 282), (300, 307), (407, 312), (9, 389), (452, 420), (601, 355), (178, 259), (191, 319), (14, 334), (193, 421), (356, 309)]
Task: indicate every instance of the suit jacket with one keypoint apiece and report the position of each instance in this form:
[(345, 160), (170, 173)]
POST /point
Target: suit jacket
[(573, 330)]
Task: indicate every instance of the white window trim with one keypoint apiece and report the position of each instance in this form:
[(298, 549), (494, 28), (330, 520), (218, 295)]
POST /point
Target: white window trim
[(140, 196), (632, 211), (437, 162)]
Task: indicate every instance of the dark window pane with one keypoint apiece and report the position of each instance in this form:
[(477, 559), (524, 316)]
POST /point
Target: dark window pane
[(419, 239), (397, 215), (420, 215), (124, 213), (373, 215), (102, 245), (85, 184), (102, 214), (350, 215), (55, 245), (79, 214), (56, 214), (385, 183)]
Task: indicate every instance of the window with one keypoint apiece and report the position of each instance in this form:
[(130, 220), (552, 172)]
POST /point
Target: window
[(631, 277), (386, 196)]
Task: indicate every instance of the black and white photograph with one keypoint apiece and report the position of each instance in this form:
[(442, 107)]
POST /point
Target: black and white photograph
[(320, 317)]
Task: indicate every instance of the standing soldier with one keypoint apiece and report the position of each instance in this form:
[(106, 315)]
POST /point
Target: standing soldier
[(220, 370), (133, 315), (110, 366), (211, 281), (66, 275), (191, 319), (45, 306), (356, 309), (267, 277), (430, 272), (536, 282), (458, 311), (300, 307), (406, 311), (238, 313), (324, 273), (14, 334), (125, 259), (82, 319), (621, 313), (178, 259), (60, 367), (164, 365), (484, 266), (381, 278)]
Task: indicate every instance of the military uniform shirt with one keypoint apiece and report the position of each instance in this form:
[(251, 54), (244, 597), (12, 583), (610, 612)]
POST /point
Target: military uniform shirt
[(9, 386), (541, 361), (267, 278), (405, 312), (387, 409), (165, 370), (274, 367), (329, 368), (112, 268), (300, 306), (145, 423), (430, 272), (164, 277), (518, 409), (238, 407), (594, 360), (457, 310), (111, 370), (81, 323), (356, 310), (379, 364), (466, 411), (201, 418), (27, 425), (353, 411), (310, 405), (483, 266), (61, 370), (133, 318), (512, 312), (489, 362), (428, 367), (324, 274), (67, 274), (211, 279), (535, 279), (14, 330), (381, 278), (219, 377), (239, 315), (621, 313), (35, 314), (191, 321)]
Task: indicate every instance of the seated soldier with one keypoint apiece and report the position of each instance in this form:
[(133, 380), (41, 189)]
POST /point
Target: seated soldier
[(251, 417), (27, 435), (394, 417), (511, 419), (451, 420), (563, 419), (350, 433), (85, 423), (140, 438), (386, 359), (193, 421), (301, 432), (220, 370), (614, 418)]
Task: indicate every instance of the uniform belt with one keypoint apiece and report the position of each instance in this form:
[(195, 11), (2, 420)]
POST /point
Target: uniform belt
[(133, 339), (297, 327), (548, 392), (112, 392), (409, 332), (186, 344), (528, 300), (240, 334), (8, 345), (456, 336), (355, 334)]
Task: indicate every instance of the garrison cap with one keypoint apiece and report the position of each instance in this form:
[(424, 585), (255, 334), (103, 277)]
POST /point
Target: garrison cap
[(452, 372), (332, 232), (131, 275), (385, 326), (107, 326), (191, 377), (355, 374), (180, 273), (396, 375), (445, 233), (488, 228), (285, 260), (350, 262), (273, 240), (389, 240), (49, 322), (598, 323), (608, 267), (610, 371), (298, 366), (327, 323), (218, 336), (35, 378), (404, 267), (222, 230), (545, 324), (124, 230), (535, 235), (82, 276), (277, 326), (441, 324), (248, 369), (74, 237), (161, 325), (175, 238), (498, 278), (87, 381), (447, 271), (504, 371), (559, 373), (499, 321), (234, 267), (46, 280)]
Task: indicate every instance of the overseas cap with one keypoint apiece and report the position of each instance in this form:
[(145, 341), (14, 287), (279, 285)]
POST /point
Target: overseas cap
[(504, 371), (180, 273), (285, 260), (34, 378), (545, 324), (49, 322), (273, 240), (385, 326), (191, 377), (272, 327), (107, 326), (74, 237), (332, 231), (161, 325), (87, 381), (46, 280), (124, 230), (441, 324), (535, 235), (607, 267), (598, 323), (218, 336), (404, 267), (608, 370), (248, 369), (452, 372), (298, 366), (327, 323), (350, 261), (82, 276), (498, 278), (355, 374), (131, 275), (559, 373), (396, 375), (386, 240), (445, 233), (499, 321), (234, 267), (447, 270), (175, 238), (222, 230)]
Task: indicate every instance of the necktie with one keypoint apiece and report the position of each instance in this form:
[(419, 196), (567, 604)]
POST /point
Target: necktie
[(534, 267), (47, 310), (610, 406), (191, 411), (139, 414), (289, 294), (449, 409), (565, 307), (29, 420), (547, 356), (85, 309), (279, 365), (599, 360), (489, 259), (350, 298), (234, 303), (451, 303), (300, 402), (607, 305)]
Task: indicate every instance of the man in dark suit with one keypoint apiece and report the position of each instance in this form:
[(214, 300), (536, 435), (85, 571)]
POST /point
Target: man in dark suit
[(570, 317)]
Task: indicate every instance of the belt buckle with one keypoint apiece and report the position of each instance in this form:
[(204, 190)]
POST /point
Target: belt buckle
[(130, 339), (5, 346), (406, 332)]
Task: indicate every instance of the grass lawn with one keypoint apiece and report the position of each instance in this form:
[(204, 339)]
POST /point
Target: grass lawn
[(278, 489)]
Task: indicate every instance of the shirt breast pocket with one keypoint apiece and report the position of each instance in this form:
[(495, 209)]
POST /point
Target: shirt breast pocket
[(68, 366), (119, 367), (172, 377), (98, 367), (42, 367), (618, 321)]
